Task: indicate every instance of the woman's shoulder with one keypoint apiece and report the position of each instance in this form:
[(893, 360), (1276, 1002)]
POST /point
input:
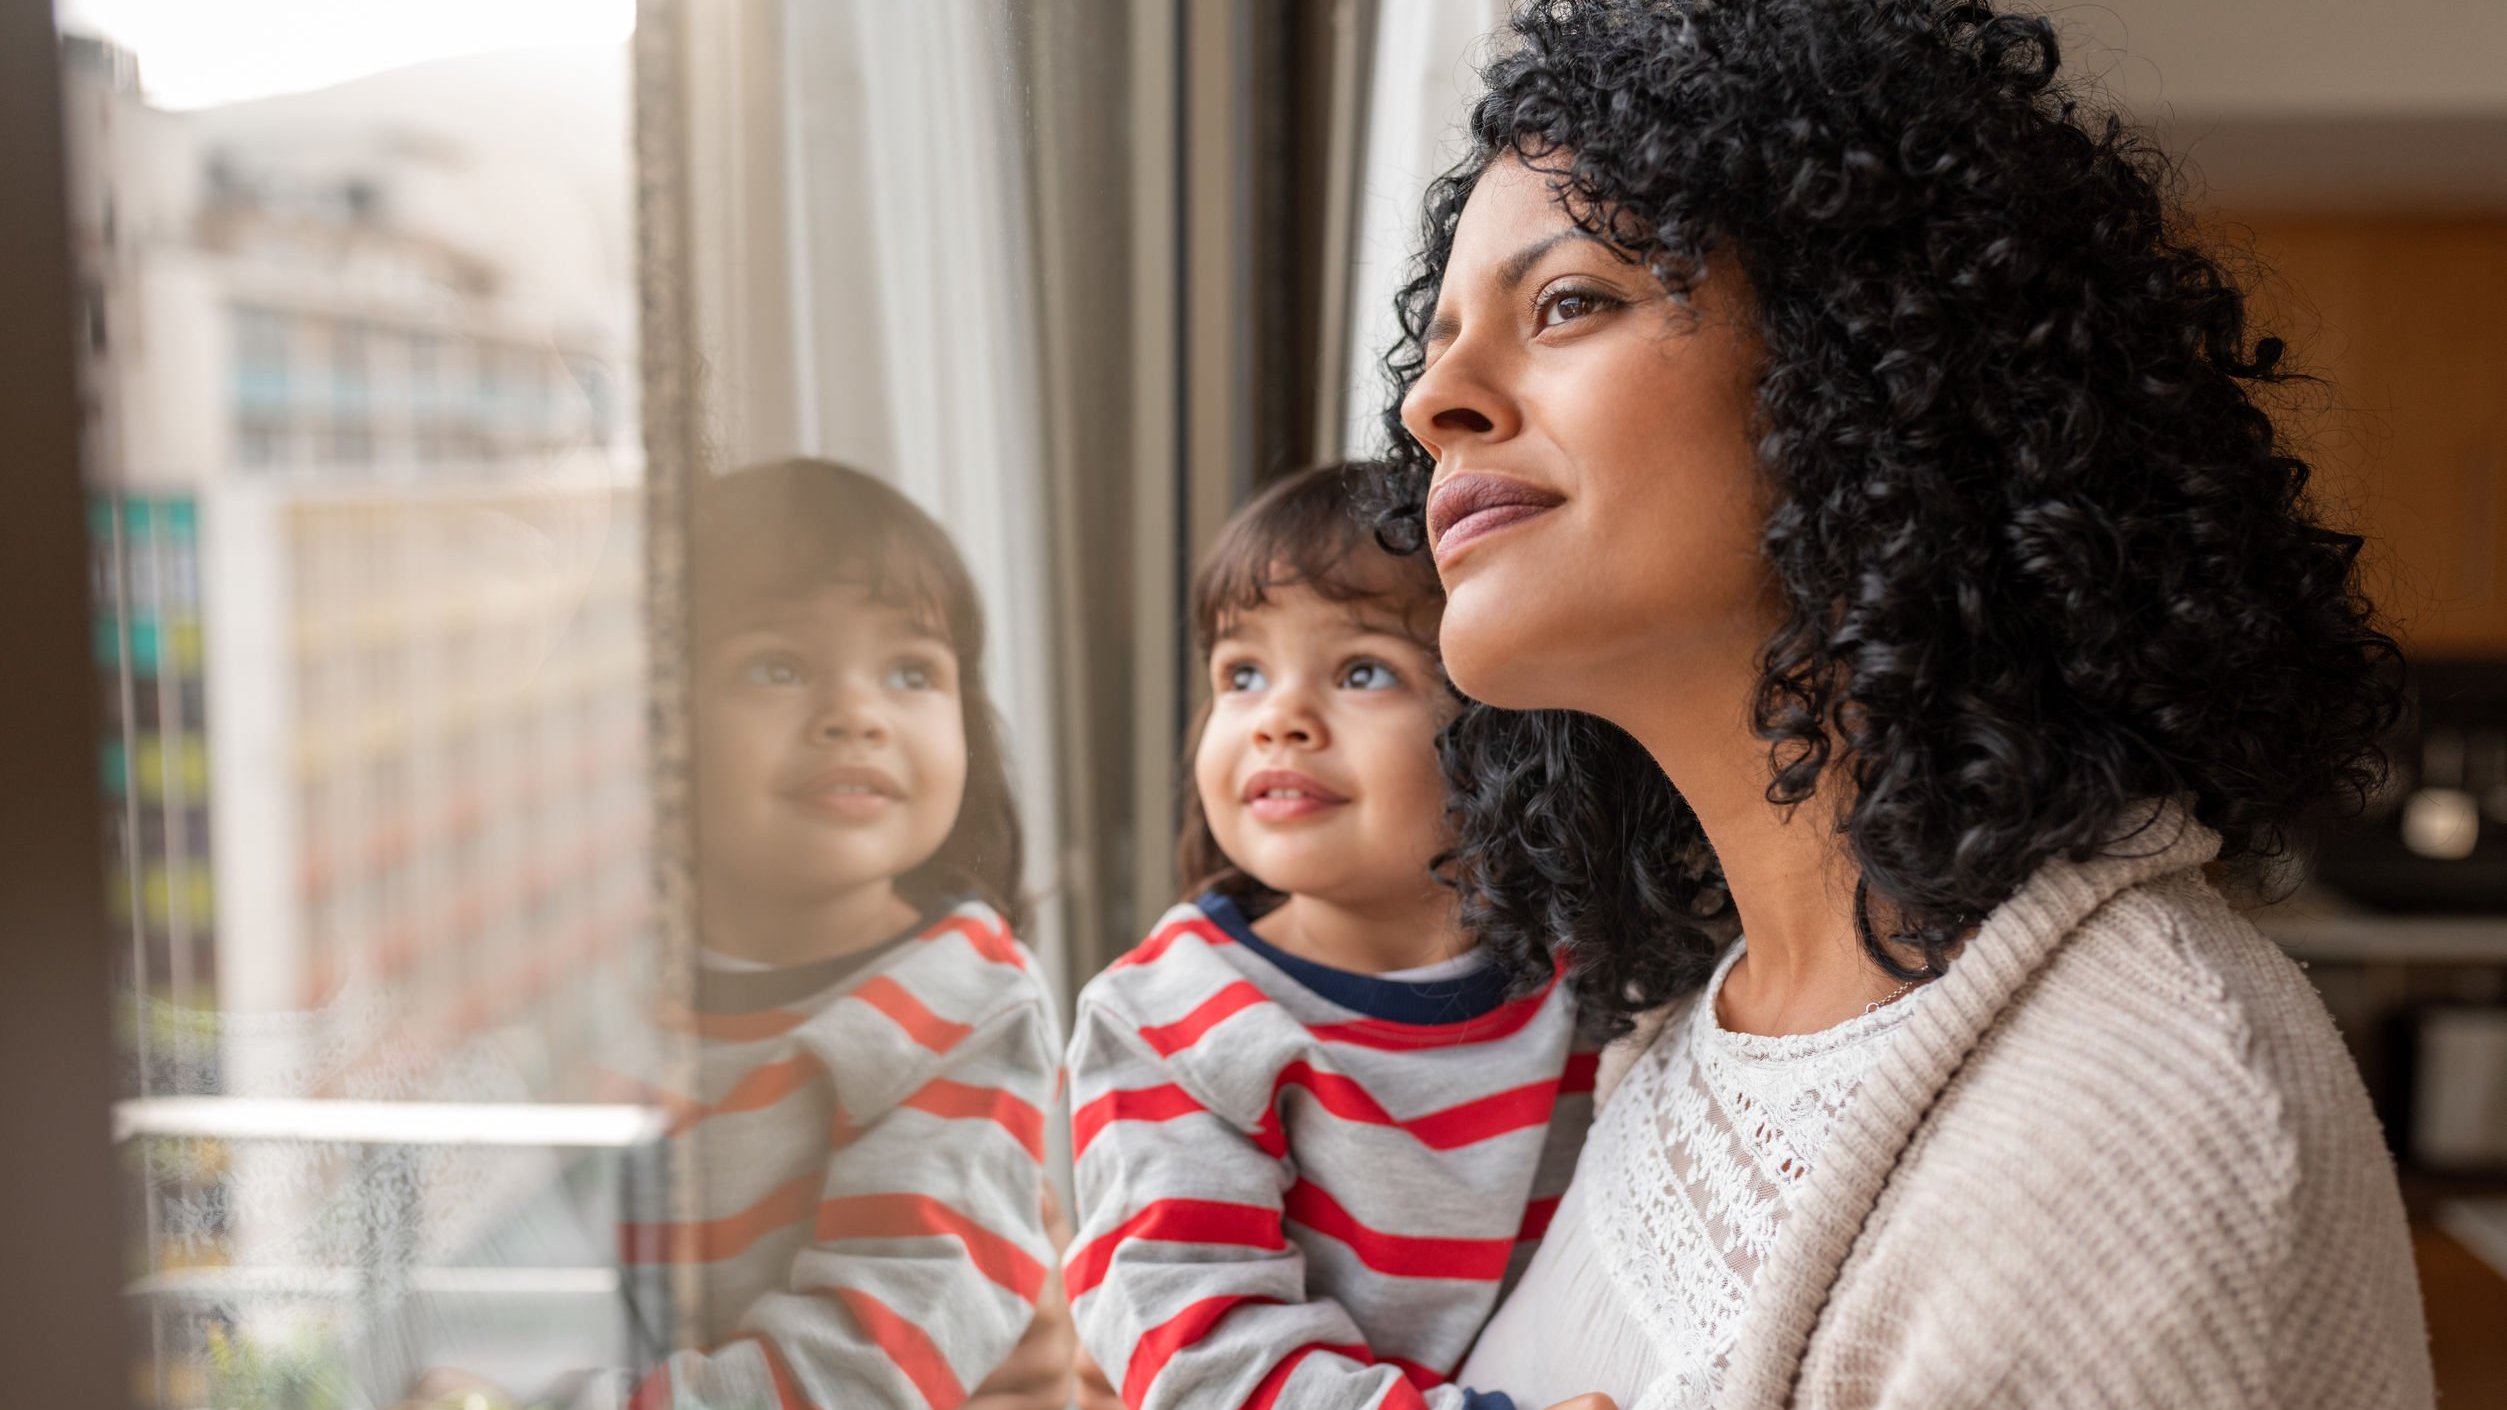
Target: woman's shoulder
[(2161, 1129), (2185, 987), (2166, 1044)]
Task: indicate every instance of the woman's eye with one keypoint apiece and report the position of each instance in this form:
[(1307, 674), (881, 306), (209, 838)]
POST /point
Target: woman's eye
[(772, 669), (1568, 305), (1244, 675), (1369, 675)]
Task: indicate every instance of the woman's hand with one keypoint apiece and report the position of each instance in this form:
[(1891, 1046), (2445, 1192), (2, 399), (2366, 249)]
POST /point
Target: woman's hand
[(1595, 1401)]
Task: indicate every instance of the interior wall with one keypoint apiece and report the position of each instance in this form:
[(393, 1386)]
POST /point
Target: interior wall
[(2315, 105), (2292, 58)]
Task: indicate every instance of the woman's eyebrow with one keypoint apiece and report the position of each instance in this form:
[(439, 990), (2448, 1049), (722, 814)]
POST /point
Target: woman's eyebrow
[(1445, 327)]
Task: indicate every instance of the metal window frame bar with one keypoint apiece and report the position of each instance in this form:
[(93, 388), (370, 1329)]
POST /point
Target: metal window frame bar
[(541, 1125), (62, 1323)]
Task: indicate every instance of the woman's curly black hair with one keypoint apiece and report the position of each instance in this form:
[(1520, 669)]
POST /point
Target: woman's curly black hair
[(2043, 556)]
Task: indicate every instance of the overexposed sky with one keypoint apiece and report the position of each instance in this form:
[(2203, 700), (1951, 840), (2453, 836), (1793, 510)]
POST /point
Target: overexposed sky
[(197, 53)]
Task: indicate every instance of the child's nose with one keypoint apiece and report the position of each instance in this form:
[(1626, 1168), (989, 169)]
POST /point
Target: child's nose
[(1285, 720), (848, 716)]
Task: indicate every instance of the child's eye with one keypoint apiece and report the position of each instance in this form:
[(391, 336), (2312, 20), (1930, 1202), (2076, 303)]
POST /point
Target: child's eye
[(1244, 675), (1369, 675), (912, 675), (772, 668)]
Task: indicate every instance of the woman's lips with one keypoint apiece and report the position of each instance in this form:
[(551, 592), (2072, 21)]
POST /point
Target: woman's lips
[(1285, 795), (1473, 505)]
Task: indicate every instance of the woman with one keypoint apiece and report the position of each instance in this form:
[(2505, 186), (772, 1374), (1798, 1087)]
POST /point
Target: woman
[(1862, 536)]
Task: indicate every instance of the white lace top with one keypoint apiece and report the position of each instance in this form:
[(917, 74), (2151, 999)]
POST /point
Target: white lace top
[(1639, 1289)]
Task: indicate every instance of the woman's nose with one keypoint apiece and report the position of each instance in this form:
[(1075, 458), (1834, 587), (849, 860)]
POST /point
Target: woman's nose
[(1453, 403)]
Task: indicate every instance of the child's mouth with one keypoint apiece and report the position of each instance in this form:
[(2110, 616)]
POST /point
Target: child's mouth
[(1284, 795), (852, 794)]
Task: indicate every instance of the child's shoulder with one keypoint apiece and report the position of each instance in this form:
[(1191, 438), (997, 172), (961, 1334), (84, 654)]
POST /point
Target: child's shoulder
[(963, 961), (1187, 955), (960, 983)]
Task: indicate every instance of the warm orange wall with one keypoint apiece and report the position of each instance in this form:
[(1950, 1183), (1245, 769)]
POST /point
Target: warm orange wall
[(2406, 319)]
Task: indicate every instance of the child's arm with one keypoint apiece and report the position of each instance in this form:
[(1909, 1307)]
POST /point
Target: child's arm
[(1185, 1287), (930, 1250), (1040, 1371)]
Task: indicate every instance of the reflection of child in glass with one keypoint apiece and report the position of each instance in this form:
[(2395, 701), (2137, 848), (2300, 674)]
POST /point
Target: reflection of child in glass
[(876, 1049), (1317, 1135)]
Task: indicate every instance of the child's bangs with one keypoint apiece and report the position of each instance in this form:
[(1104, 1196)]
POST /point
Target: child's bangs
[(889, 572), (1305, 533), (894, 576), (1232, 588), (765, 538)]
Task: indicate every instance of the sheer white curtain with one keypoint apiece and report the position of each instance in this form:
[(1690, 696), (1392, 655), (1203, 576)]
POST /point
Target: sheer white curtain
[(865, 274), (1426, 71)]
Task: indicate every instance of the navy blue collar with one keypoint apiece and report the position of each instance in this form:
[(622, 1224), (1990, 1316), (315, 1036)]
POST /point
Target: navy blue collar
[(1416, 1001), (748, 990)]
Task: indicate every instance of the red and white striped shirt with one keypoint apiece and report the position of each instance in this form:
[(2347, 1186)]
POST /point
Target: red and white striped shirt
[(1300, 1185), (870, 1137)]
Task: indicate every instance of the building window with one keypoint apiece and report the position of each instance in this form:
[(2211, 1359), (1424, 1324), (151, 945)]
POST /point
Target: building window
[(348, 370), (261, 445), (261, 370), (426, 378), (352, 443)]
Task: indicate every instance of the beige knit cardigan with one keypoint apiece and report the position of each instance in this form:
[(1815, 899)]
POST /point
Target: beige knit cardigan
[(2116, 1157)]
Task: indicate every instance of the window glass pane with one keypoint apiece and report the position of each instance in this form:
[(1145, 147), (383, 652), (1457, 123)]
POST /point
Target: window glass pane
[(367, 525), (462, 866)]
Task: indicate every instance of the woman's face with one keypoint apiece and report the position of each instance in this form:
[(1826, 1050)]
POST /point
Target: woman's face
[(1596, 508)]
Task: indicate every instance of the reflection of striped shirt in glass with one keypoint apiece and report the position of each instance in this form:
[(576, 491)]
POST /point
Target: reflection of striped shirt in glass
[(870, 1142), (1304, 1186)]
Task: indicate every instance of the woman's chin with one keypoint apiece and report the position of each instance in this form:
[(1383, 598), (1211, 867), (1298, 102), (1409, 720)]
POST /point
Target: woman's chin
[(1498, 662)]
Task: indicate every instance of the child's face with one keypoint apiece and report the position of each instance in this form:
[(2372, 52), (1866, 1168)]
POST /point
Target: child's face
[(1317, 769), (831, 743)]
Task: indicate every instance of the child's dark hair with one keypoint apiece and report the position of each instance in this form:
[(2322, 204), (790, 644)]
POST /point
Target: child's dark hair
[(782, 530), (1305, 530)]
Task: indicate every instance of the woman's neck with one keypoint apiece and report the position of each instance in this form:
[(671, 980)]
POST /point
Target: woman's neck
[(1789, 871), (1373, 935), (774, 929)]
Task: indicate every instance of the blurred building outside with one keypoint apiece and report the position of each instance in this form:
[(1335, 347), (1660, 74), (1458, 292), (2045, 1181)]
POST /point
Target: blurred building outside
[(360, 435)]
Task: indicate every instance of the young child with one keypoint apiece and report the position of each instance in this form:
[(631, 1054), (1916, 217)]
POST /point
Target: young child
[(1316, 1135), (875, 1049)]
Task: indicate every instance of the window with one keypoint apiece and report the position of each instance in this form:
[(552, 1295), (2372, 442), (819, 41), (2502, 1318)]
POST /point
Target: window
[(262, 348)]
